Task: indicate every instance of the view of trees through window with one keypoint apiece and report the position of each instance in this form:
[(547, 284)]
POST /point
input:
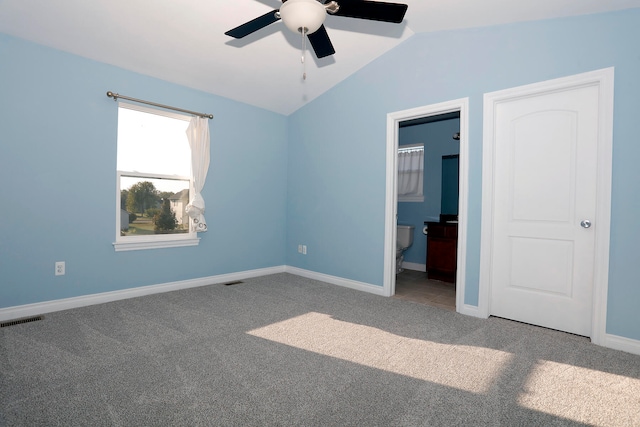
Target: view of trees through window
[(154, 164), (152, 211)]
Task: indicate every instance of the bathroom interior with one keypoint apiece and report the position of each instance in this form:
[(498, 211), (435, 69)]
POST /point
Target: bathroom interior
[(427, 225)]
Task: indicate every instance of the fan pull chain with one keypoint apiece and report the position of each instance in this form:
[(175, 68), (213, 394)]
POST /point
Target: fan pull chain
[(304, 49)]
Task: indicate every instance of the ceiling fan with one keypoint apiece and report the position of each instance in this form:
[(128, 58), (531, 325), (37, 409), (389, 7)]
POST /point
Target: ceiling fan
[(307, 17)]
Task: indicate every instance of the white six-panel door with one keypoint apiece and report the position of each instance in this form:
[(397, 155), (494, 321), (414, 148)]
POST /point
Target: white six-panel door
[(544, 209)]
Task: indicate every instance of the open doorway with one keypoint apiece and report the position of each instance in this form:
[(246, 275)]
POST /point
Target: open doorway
[(403, 128), (426, 267)]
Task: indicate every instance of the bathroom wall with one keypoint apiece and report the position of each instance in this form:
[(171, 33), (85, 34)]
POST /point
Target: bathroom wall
[(438, 141)]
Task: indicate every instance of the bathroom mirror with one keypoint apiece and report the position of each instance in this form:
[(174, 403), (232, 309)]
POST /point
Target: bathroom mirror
[(450, 177)]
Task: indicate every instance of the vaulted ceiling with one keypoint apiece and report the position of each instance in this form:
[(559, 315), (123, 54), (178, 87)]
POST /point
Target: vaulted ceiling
[(184, 41)]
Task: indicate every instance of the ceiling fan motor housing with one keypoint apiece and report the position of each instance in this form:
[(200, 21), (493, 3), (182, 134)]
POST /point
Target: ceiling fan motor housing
[(304, 16), (307, 17)]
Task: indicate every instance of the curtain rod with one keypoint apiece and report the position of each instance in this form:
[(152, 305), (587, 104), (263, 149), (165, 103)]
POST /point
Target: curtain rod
[(115, 97)]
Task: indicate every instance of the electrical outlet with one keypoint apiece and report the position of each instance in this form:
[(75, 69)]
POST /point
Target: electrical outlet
[(304, 249), (60, 268), (299, 249)]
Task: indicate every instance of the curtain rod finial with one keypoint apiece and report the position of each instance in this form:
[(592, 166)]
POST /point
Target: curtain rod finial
[(112, 95)]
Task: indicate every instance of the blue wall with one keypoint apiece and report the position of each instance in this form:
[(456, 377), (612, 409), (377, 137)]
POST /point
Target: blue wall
[(438, 141), (58, 174), (283, 181), (336, 201)]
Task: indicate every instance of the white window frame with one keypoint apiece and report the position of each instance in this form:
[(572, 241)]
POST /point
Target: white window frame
[(156, 241), (417, 198)]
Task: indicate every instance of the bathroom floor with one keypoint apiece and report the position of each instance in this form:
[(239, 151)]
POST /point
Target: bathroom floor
[(415, 286)]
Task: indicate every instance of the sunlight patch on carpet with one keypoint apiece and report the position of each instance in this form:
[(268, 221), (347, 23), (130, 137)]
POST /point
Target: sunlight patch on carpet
[(583, 395), (473, 369)]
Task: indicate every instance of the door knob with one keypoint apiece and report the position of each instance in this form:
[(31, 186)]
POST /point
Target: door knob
[(585, 223)]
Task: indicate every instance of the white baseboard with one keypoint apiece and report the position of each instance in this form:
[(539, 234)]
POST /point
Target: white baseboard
[(621, 343), (17, 312), (414, 266), (470, 310), (334, 280)]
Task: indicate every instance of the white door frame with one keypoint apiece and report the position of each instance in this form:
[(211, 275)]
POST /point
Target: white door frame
[(603, 79), (391, 200)]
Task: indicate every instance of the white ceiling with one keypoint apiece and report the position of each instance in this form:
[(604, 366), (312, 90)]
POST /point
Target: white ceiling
[(184, 42)]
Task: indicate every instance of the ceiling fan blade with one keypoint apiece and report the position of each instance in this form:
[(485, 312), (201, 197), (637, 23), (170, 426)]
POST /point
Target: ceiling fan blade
[(254, 25), (321, 43), (374, 10)]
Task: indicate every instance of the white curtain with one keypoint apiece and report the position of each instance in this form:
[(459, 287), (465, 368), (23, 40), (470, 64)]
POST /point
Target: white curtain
[(198, 136), (410, 173)]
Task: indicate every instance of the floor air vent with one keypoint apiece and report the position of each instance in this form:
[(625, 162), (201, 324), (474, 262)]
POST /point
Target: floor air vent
[(235, 282), (19, 321)]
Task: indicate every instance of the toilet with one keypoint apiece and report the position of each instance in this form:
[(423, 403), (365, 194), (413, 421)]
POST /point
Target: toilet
[(404, 239)]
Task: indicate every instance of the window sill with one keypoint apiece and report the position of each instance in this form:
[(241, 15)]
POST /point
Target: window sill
[(155, 244), (418, 199)]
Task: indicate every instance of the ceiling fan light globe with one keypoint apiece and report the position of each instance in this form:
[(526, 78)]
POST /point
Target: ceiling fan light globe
[(303, 15)]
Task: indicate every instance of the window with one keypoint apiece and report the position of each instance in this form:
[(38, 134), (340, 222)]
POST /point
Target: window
[(153, 179), (411, 173)]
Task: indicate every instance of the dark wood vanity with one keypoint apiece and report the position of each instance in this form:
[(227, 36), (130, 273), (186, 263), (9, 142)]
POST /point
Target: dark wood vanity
[(442, 244)]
